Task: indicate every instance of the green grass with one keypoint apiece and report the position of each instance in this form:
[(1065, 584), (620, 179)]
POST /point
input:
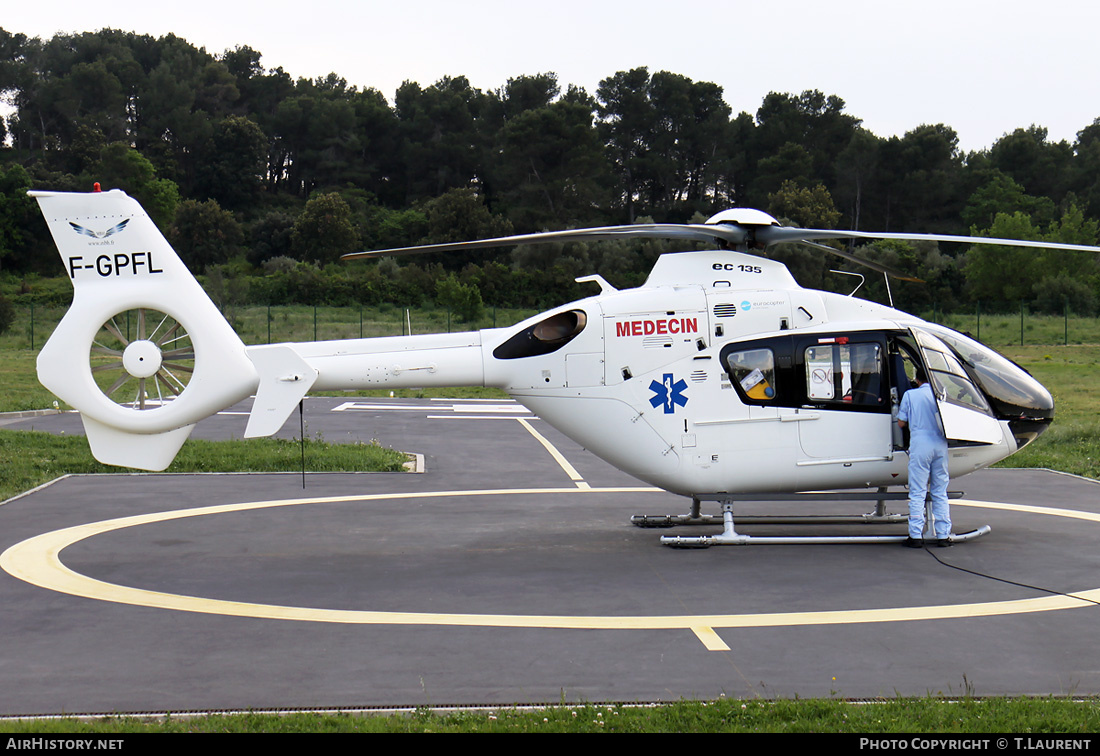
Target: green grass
[(33, 458), (900, 715), (1072, 375), (19, 386)]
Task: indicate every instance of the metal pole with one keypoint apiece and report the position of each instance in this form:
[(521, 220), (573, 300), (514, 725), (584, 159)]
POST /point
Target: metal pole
[(302, 436)]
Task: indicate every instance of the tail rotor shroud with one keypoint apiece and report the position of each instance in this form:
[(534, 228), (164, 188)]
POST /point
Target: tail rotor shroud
[(155, 354)]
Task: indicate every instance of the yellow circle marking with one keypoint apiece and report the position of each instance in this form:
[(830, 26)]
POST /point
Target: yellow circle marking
[(37, 561)]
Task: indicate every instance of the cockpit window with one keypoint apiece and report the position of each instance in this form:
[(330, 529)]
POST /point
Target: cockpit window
[(1011, 390), (850, 373), (949, 380), (754, 371)]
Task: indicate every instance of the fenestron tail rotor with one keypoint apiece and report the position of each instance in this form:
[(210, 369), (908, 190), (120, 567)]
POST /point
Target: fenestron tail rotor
[(142, 358)]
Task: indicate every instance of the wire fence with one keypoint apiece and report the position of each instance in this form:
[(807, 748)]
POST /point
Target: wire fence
[(1021, 328), (262, 324)]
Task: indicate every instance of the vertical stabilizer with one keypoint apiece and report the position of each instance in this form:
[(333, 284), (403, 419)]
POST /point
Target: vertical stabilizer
[(142, 352)]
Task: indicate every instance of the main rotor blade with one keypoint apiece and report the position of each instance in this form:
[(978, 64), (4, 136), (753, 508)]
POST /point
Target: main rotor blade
[(685, 232), (769, 235), (885, 269), (731, 234)]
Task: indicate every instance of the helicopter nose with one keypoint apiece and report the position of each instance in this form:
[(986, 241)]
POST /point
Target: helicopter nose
[(1013, 394)]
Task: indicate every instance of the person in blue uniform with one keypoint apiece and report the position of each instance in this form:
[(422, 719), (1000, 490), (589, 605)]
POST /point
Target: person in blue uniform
[(927, 463)]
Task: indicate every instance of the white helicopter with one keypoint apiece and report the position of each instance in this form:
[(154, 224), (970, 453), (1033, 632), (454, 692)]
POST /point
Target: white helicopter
[(720, 378)]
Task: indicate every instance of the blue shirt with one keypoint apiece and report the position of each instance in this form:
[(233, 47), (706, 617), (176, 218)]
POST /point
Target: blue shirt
[(919, 410)]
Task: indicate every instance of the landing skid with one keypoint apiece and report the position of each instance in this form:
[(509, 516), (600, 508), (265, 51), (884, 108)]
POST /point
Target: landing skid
[(730, 537)]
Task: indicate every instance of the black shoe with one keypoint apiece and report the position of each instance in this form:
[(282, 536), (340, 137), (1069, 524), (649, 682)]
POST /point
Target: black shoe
[(943, 543), (914, 543)]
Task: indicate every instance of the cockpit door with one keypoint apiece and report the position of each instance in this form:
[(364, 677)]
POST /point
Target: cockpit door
[(964, 411)]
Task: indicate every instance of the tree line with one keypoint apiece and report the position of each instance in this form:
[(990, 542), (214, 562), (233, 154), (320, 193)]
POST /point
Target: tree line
[(244, 166)]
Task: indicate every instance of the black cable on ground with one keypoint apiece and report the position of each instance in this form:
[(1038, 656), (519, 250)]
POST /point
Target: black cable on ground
[(1009, 582)]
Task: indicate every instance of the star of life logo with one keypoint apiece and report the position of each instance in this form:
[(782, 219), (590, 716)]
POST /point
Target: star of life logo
[(668, 393)]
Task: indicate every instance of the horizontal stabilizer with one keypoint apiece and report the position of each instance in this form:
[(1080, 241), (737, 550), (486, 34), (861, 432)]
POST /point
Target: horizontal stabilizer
[(284, 379), (143, 451)]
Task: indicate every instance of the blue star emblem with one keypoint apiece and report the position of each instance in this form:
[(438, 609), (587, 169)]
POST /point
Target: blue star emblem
[(669, 393)]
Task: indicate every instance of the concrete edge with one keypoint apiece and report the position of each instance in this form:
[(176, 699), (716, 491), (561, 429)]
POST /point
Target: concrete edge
[(13, 417), (36, 488)]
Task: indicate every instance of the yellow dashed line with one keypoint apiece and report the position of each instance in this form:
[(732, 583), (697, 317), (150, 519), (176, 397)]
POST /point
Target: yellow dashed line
[(710, 639), (1029, 509)]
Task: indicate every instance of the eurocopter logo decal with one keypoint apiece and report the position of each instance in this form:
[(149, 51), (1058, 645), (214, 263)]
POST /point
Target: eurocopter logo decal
[(670, 393), (99, 234)]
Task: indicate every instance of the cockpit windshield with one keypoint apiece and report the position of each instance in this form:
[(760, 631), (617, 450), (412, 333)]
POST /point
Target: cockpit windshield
[(1012, 392)]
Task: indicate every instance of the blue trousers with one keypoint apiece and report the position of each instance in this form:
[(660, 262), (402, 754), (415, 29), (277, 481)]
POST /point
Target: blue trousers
[(928, 474)]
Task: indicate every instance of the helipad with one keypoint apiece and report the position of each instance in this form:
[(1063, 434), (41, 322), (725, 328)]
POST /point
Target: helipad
[(508, 573)]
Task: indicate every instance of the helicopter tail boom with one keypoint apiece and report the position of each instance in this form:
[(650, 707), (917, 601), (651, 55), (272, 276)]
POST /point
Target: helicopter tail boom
[(288, 371)]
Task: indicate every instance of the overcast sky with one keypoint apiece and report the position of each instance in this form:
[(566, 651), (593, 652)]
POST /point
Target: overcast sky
[(983, 68)]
